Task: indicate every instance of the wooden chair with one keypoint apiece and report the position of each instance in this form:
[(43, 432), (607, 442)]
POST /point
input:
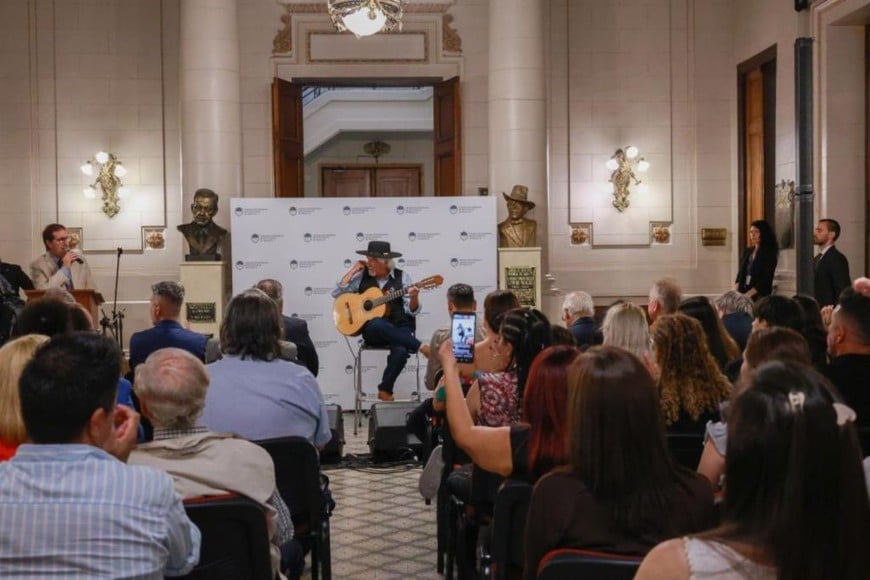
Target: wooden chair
[(571, 563), (235, 540), (297, 472)]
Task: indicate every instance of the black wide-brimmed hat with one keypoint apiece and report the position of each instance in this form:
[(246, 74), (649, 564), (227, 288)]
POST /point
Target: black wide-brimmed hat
[(378, 249)]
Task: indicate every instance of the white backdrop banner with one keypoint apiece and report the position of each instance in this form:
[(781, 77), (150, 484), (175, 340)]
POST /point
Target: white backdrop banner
[(309, 243)]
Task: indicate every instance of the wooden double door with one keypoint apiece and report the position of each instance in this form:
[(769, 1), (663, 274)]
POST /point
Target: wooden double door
[(289, 157), (394, 180)]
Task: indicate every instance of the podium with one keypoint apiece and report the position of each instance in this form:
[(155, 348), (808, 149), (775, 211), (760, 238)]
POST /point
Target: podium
[(90, 299)]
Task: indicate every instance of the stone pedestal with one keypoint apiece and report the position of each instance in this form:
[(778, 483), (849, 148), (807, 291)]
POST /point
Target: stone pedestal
[(203, 295), (519, 270)]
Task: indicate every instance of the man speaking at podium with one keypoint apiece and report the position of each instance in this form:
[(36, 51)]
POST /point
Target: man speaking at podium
[(60, 266)]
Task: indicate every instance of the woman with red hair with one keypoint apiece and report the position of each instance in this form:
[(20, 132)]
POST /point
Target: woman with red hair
[(525, 450)]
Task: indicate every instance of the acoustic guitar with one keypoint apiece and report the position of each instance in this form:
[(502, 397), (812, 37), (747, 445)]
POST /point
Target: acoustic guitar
[(351, 310)]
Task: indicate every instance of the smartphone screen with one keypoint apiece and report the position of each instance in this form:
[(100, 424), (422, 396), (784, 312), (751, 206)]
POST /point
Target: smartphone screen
[(462, 333)]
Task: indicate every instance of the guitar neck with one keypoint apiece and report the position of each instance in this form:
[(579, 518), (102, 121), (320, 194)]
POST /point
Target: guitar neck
[(390, 296)]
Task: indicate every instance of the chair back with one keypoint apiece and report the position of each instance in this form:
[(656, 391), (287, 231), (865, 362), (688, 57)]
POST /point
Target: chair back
[(508, 525), (297, 472), (235, 540), (571, 563)]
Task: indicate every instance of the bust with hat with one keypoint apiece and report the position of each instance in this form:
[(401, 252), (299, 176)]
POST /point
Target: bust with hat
[(517, 231)]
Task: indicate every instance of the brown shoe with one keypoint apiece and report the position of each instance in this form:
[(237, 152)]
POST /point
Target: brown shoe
[(385, 396)]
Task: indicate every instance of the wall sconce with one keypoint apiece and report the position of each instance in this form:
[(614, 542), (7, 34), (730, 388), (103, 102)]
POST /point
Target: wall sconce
[(622, 165), (376, 149), (109, 173)]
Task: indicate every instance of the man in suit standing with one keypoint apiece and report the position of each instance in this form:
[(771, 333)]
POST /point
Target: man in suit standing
[(59, 266), (166, 300), (831, 266), (578, 312), (295, 329)]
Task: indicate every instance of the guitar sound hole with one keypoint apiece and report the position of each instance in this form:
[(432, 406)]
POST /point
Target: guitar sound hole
[(367, 305)]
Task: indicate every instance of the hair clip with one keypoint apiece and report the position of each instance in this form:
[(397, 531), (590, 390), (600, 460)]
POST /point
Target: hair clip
[(796, 401), (845, 414)]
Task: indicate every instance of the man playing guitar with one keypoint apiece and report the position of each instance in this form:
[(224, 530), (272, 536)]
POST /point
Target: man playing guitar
[(396, 329)]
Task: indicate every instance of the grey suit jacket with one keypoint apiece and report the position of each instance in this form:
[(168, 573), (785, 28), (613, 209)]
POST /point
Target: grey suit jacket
[(46, 274)]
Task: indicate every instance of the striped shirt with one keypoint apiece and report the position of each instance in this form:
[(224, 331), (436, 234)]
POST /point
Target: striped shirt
[(74, 511)]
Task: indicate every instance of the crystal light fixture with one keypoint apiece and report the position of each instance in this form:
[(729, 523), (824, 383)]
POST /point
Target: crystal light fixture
[(365, 17)]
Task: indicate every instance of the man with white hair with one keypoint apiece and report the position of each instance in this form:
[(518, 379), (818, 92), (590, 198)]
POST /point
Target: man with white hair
[(737, 313), (171, 385), (664, 298), (578, 312)]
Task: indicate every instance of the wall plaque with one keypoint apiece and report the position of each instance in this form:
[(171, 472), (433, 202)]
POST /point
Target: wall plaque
[(521, 280), (201, 312), (714, 236)]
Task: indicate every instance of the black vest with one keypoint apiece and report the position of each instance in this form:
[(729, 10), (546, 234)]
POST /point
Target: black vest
[(395, 308)]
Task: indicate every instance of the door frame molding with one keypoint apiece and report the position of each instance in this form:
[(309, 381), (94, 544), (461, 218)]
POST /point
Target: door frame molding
[(765, 58)]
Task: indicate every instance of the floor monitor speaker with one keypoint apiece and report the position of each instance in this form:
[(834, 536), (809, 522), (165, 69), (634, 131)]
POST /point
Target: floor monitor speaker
[(388, 436)]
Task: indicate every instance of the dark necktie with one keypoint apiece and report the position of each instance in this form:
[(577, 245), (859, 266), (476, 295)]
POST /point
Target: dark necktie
[(816, 259)]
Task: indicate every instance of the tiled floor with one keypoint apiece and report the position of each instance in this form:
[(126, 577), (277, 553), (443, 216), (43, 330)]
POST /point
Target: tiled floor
[(381, 527)]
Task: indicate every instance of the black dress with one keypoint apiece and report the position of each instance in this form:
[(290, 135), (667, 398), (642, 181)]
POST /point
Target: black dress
[(757, 272)]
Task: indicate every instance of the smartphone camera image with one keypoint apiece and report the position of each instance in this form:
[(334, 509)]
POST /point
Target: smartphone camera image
[(462, 331)]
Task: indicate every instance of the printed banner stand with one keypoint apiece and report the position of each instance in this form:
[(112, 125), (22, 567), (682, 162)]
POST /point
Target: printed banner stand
[(203, 295), (309, 243), (519, 270)]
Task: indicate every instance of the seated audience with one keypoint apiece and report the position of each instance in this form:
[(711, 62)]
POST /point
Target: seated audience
[(777, 310), (295, 329), (562, 335), (796, 504), (813, 330), (495, 398), (765, 344), (849, 347), (13, 356), (166, 300), (253, 391), (691, 386), (625, 326), (578, 312), (486, 357), (664, 298), (171, 385), (620, 491), (44, 316), (93, 515), (523, 450), (722, 346), (737, 313)]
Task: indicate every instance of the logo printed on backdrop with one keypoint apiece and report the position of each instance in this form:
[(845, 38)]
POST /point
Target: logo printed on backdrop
[(238, 211), (348, 369), (243, 265), (347, 263), (307, 316), (240, 265), (464, 262), (303, 264), (400, 209), (309, 237), (319, 291), (454, 262), (346, 210), (249, 211), (265, 238), (255, 239), (410, 209), (360, 236), (401, 262), (465, 208), (422, 236), (414, 262), (292, 210), (463, 236), (453, 209)]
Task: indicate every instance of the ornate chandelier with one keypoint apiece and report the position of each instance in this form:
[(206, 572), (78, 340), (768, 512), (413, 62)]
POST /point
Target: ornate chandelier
[(365, 17)]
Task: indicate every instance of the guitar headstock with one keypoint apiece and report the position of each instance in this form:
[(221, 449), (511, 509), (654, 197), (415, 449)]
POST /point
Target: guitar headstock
[(430, 282)]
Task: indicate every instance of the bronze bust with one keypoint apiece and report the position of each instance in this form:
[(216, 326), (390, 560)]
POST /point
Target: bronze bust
[(517, 231), (202, 234)]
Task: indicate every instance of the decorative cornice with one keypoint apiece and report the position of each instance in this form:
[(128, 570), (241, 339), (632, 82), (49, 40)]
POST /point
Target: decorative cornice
[(283, 41), (451, 42)]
